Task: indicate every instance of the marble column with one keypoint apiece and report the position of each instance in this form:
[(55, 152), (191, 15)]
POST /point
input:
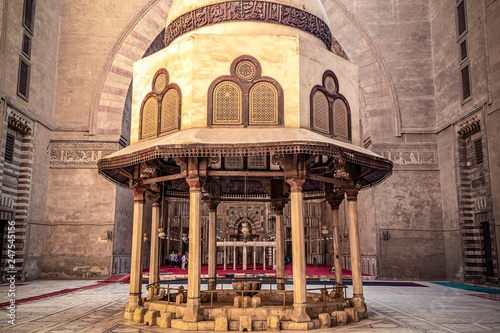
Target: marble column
[(212, 244), (264, 256), (154, 260), (192, 313), (254, 257), (135, 299), (335, 198), (225, 256), (274, 258), (358, 299), (298, 252), (234, 256), (280, 247), (244, 257)]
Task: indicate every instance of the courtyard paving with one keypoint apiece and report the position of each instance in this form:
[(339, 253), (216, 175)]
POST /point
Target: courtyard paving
[(88, 306)]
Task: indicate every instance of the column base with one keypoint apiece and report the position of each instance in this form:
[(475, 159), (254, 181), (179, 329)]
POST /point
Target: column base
[(134, 301), (358, 302), (299, 313), (192, 313)]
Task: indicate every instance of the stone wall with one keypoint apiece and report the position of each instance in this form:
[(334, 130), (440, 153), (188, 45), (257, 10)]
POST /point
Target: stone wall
[(27, 187)]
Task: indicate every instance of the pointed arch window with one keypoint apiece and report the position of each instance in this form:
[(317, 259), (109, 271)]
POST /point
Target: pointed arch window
[(161, 108), (245, 98), (330, 112), (227, 104)]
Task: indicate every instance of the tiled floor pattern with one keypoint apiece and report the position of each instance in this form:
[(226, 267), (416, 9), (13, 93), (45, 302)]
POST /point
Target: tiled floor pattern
[(435, 309)]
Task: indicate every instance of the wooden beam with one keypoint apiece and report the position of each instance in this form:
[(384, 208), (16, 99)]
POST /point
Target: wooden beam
[(161, 179), (330, 180), (243, 173), (125, 173)]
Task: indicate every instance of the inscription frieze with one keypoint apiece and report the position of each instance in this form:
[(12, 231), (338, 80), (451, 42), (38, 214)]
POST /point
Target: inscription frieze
[(80, 154), (420, 155), (260, 11)]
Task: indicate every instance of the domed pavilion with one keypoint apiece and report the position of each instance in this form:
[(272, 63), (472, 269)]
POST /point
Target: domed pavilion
[(252, 100)]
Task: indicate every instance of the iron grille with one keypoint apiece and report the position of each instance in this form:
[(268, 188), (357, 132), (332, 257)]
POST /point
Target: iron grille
[(461, 18), (29, 15), (465, 82), (9, 148), (478, 148), (24, 78), (463, 50), (26, 45)]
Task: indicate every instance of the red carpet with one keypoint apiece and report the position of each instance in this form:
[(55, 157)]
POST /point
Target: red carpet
[(56, 293)]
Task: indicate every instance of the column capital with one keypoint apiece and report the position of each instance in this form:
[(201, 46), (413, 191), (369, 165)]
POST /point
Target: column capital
[(154, 196), (296, 184), (195, 184), (334, 195), (139, 195), (213, 204), (278, 205), (352, 194)]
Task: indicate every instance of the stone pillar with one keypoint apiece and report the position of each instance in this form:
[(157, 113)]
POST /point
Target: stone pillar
[(298, 252), (254, 257), (192, 313), (264, 256), (135, 299), (244, 257), (334, 198), (280, 247), (358, 299), (225, 256), (234, 256), (212, 244), (154, 260), (277, 203), (274, 258)]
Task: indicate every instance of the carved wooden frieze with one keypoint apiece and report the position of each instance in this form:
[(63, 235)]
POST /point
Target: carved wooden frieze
[(409, 155), (79, 154), (260, 11)]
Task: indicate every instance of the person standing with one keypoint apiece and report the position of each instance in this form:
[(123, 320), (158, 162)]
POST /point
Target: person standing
[(179, 259), (173, 258), (183, 259)]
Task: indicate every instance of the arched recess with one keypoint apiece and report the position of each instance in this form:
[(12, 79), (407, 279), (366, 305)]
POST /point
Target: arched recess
[(138, 37)]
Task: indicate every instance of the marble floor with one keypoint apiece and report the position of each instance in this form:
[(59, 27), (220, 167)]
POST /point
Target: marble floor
[(76, 306)]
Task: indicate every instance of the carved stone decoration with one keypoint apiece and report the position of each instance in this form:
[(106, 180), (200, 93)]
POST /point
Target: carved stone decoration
[(469, 126), (409, 155), (339, 170), (260, 11), (65, 154), (234, 215), (147, 171), (277, 159), (19, 124)]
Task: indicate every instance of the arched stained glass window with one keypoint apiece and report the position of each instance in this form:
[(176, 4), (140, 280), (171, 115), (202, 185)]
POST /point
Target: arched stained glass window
[(321, 113), (263, 107), (150, 118), (170, 111), (227, 104), (340, 119)]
